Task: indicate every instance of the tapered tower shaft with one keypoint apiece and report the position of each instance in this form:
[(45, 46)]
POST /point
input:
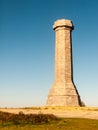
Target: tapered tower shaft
[(63, 91), (63, 59)]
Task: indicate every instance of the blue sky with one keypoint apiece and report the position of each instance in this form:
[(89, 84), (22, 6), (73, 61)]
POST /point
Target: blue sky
[(27, 44)]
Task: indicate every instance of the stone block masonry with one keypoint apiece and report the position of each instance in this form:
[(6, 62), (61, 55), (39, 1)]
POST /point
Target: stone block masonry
[(63, 91)]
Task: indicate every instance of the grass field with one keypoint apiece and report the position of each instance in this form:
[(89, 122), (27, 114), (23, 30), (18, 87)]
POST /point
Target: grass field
[(21, 121), (63, 124)]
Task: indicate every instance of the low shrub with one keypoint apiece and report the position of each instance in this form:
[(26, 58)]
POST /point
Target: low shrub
[(23, 119)]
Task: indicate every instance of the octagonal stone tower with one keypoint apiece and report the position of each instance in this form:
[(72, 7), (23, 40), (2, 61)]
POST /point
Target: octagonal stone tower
[(63, 91)]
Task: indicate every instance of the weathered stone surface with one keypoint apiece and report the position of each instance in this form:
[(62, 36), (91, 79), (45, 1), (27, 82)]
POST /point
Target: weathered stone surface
[(63, 91)]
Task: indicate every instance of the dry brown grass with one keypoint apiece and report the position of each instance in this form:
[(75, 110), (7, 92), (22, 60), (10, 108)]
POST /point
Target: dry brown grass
[(62, 108), (69, 112)]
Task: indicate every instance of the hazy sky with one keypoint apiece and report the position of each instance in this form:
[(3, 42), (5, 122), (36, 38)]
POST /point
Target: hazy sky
[(27, 44)]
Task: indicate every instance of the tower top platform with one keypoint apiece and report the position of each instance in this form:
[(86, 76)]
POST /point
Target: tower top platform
[(63, 23)]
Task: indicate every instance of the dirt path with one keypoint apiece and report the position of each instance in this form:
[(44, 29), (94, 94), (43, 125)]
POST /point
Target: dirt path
[(60, 113)]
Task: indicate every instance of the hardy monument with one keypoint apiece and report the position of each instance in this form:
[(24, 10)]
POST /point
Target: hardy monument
[(63, 91)]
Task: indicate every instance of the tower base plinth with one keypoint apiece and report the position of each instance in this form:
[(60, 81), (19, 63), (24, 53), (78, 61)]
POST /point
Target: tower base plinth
[(63, 96)]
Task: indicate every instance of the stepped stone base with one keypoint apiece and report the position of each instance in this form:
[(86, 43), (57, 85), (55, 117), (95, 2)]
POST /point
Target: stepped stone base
[(63, 96)]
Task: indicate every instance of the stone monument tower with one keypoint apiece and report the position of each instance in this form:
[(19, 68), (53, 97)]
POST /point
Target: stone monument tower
[(63, 91)]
